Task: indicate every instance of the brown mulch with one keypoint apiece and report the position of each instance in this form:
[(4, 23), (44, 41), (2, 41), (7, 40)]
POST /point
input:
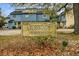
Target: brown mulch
[(17, 46)]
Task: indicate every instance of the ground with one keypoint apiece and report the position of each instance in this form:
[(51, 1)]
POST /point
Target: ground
[(18, 45)]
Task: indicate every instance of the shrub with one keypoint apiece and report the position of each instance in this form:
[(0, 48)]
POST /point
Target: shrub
[(14, 27), (64, 44), (43, 41)]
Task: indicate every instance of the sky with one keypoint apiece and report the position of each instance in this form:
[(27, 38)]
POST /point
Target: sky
[(6, 9)]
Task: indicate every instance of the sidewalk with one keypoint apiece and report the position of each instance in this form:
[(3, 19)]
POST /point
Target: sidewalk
[(65, 30), (10, 32)]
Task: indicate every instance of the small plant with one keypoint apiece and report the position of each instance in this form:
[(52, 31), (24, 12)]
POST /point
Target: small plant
[(64, 44)]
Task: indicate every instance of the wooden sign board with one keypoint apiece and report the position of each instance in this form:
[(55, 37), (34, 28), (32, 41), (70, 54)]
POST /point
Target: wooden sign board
[(38, 28)]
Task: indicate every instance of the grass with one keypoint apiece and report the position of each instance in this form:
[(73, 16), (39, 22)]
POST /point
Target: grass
[(70, 36), (18, 45)]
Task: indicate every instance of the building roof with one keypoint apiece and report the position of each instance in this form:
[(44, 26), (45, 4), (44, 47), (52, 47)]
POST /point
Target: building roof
[(28, 11)]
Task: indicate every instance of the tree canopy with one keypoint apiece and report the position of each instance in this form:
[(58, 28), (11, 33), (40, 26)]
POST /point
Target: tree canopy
[(2, 21)]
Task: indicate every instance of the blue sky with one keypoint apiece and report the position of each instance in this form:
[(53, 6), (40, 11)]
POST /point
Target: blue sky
[(6, 8)]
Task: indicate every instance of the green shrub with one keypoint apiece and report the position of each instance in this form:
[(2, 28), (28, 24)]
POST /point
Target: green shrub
[(14, 27), (64, 44)]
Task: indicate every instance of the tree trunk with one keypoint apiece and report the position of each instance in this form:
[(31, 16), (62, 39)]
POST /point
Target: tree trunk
[(76, 16)]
